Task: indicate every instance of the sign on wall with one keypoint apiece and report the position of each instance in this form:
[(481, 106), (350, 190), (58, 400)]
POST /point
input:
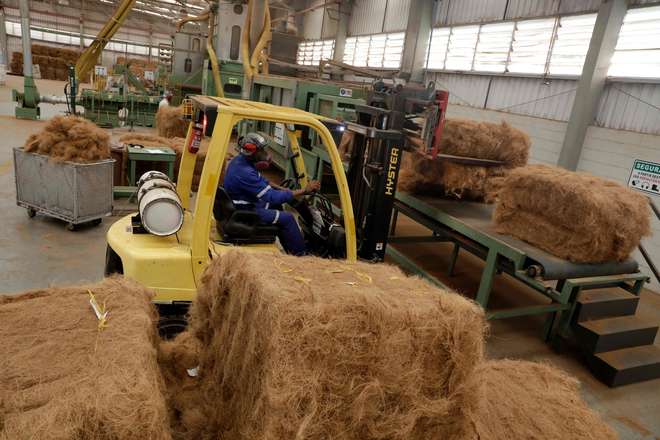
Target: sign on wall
[(645, 176)]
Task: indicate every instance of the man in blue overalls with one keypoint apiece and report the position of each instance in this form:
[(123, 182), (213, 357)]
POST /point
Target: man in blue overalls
[(250, 190)]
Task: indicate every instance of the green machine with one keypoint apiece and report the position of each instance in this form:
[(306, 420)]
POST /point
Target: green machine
[(231, 77), (336, 100), (109, 109)]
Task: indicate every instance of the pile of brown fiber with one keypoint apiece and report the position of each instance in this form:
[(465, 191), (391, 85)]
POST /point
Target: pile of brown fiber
[(53, 62), (170, 122), (575, 216), (531, 401), (150, 140), (70, 138), (467, 138), (63, 377), (310, 348)]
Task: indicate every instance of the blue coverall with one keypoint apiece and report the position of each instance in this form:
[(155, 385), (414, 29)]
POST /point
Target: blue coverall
[(249, 190)]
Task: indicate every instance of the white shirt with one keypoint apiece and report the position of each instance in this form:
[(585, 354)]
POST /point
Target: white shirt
[(163, 103)]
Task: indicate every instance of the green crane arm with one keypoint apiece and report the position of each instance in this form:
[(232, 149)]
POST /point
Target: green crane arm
[(89, 57)]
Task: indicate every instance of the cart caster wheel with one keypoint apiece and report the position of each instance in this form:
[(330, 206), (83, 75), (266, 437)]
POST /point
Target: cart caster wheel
[(31, 212), (96, 222), (71, 227)]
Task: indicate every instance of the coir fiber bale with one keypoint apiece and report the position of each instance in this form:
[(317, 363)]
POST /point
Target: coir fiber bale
[(575, 216), (170, 122), (479, 140), (178, 358), (64, 378), (311, 348), (70, 138), (531, 401)]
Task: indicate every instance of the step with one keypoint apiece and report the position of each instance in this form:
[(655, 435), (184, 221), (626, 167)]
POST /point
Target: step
[(614, 333), (627, 365), (597, 304)]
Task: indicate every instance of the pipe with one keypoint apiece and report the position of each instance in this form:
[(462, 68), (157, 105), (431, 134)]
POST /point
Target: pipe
[(258, 13), (215, 68), (25, 36), (245, 45), (4, 55), (264, 38)]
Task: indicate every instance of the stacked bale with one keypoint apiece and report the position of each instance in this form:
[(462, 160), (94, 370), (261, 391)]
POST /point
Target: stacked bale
[(53, 61), (70, 138), (138, 66), (66, 377), (312, 348), (479, 140), (575, 216), (170, 122), (531, 401)]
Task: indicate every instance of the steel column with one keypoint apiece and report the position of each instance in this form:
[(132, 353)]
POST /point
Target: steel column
[(418, 33), (4, 54), (592, 81)]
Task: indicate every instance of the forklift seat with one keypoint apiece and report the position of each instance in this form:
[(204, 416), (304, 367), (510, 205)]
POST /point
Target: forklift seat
[(240, 226)]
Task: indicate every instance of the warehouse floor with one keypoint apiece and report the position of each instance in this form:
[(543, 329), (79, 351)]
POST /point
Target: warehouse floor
[(40, 252)]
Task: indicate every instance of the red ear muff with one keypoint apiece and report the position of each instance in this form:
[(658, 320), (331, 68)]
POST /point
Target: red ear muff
[(250, 147)]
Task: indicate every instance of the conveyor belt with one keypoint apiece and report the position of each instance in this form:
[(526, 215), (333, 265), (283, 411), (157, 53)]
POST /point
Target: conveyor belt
[(477, 217)]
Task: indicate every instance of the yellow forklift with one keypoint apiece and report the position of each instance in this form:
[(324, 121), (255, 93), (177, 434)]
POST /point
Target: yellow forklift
[(171, 240)]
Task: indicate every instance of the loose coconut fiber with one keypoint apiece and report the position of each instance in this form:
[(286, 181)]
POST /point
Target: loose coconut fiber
[(150, 140), (170, 122), (310, 348), (70, 138), (63, 378), (531, 401), (575, 216), (480, 140)]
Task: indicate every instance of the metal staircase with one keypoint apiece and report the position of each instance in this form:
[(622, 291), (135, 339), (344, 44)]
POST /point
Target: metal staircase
[(618, 344)]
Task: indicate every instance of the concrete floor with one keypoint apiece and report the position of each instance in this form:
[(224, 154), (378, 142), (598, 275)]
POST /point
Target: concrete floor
[(40, 252)]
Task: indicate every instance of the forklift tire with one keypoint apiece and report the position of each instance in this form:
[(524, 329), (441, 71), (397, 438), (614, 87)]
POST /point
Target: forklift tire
[(113, 264), (171, 325)]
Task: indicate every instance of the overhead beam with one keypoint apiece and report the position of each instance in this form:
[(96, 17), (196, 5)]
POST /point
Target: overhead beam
[(418, 33), (592, 81)]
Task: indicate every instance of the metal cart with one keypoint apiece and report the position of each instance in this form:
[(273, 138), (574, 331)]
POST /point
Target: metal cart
[(74, 192)]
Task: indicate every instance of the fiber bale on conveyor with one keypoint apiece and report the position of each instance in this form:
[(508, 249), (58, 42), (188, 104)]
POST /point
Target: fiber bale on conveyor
[(310, 348), (467, 138), (532, 401), (170, 122), (70, 138), (575, 216), (64, 378)]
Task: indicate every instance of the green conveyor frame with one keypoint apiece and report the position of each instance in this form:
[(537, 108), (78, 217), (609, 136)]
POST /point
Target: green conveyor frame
[(467, 225)]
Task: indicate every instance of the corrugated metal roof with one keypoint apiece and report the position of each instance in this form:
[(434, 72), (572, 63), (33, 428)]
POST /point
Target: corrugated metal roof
[(396, 18), (367, 17), (533, 97), (569, 7), (468, 11), (463, 89), (475, 11), (531, 8), (630, 106)]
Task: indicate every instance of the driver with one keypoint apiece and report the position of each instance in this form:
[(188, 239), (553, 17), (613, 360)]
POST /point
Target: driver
[(250, 190)]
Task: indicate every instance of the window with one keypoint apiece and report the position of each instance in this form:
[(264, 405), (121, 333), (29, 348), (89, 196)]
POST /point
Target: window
[(493, 47), (571, 44), (462, 44), (377, 51), (637, 52), (310, 53), (438, 48), (531, 43), (555, 45)]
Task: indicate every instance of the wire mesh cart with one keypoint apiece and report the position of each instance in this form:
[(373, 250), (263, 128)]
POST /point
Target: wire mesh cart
[(73, 192)]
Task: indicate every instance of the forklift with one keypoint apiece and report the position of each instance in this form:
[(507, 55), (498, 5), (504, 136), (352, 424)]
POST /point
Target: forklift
[(170, 258)]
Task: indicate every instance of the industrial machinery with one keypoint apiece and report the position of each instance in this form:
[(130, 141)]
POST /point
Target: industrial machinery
[(172, 265), (28, 100)]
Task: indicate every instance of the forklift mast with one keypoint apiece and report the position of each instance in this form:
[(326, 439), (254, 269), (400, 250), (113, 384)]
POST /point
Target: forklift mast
[(390, 115)]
